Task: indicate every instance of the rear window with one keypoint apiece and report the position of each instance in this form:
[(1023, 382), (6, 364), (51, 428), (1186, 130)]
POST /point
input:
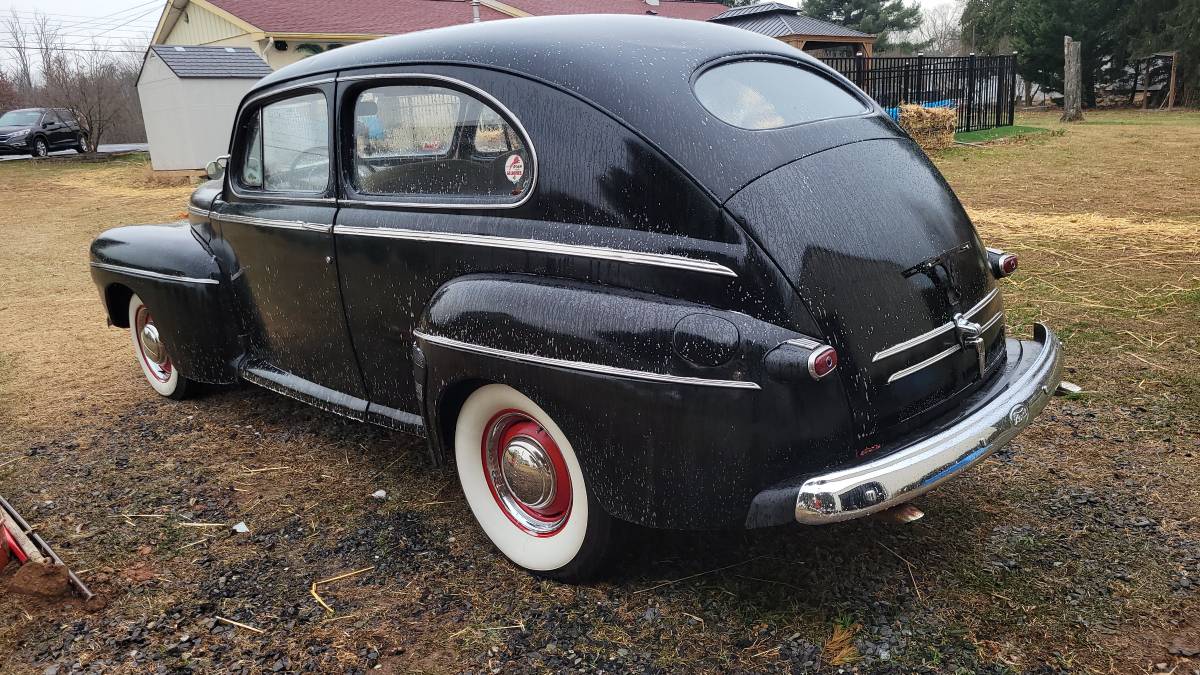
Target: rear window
[(769, 95)]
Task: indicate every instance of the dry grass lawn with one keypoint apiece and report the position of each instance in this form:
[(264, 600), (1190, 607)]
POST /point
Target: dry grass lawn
[(1076, 550)]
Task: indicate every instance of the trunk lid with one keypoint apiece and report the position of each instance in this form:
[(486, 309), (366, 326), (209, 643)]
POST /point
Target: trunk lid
[(884, 257)]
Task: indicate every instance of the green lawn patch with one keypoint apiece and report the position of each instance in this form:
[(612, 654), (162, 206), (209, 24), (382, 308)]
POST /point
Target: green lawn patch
[(989, 135)]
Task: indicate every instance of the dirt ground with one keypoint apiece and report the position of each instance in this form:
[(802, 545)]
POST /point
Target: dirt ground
[(1077, 549)]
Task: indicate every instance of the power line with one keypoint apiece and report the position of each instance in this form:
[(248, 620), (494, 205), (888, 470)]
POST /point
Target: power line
[(84, 18), (78, 49)]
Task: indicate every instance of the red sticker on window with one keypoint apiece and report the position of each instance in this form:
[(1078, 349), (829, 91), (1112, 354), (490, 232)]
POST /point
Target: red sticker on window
[(514, 168)]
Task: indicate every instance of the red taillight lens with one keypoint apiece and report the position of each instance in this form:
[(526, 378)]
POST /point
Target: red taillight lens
[(822, 362), (1002, 264), (1008, 264)]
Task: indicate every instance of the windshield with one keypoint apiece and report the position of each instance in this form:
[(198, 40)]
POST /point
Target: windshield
[(769, 95), (20, 118)]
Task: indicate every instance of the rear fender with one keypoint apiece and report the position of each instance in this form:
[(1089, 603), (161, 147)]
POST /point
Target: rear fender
[(178, 278), (664, 439)]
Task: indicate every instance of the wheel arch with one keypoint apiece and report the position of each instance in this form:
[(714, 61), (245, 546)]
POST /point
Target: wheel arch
[(116, 303)]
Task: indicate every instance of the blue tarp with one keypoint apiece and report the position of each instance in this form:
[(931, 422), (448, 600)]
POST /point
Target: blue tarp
[(894, 113)]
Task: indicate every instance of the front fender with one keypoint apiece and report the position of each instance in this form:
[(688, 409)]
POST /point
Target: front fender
[(666, 403), (178, 278)]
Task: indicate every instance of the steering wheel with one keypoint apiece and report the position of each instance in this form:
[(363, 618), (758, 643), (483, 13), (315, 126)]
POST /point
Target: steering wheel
[(316, 151)]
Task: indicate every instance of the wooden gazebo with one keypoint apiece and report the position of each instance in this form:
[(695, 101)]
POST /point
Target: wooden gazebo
[(802, 32)]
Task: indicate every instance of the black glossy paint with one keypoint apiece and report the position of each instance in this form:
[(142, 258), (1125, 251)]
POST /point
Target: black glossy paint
[(818, 222)]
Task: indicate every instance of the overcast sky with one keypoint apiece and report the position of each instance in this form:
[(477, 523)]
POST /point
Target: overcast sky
[(112, 23)]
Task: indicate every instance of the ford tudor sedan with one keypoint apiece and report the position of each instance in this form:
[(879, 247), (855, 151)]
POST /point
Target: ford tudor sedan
[(615, 270)]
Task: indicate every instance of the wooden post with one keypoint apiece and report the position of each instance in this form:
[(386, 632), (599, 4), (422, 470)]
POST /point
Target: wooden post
[(1171, 91), (1146, 86), (1072, 81)]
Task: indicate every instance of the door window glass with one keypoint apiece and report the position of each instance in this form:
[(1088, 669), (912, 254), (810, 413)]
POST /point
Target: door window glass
[(435, 141), (287, 146)]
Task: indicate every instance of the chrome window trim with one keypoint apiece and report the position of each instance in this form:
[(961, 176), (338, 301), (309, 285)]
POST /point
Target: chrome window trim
[(275, 223), (542, 246), (582, 365), (277, 196), (485, 97), (924, 364), (290, 87), (148, 274), (929, 335)]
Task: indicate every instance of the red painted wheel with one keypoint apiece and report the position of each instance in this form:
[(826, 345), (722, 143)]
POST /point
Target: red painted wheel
[(526, 473), (526, 488), (151, 352)]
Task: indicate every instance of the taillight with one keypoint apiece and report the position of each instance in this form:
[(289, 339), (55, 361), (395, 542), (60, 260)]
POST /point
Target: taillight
[(1002, 264), (822, 362), (801, 358)]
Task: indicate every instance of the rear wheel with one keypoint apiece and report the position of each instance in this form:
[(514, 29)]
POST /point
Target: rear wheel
[(526, 489), (151, 353)]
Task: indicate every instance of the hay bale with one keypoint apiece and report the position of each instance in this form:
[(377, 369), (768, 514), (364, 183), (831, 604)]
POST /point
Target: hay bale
[(932, 128)]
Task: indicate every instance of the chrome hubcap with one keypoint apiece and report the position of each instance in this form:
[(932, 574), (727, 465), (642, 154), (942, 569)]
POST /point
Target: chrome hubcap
[(150, 346), (527, 472), (151, 343)]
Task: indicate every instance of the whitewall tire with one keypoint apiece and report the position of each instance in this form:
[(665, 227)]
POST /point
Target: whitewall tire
[(525, 487), (151, 353)]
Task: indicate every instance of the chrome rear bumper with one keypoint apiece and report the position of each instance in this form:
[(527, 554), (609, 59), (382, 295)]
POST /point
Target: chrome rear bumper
[(1030, 379)]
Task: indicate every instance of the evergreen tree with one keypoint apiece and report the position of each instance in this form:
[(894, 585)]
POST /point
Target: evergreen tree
[(987, 25), (877, 17), (1038, 27), (1162, 26)]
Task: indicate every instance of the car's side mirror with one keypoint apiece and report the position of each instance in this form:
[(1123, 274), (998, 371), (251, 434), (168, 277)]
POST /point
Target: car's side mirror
[(216, 168), (47, 125)]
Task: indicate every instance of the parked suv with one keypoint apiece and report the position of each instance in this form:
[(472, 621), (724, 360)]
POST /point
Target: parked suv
[(40, 131)]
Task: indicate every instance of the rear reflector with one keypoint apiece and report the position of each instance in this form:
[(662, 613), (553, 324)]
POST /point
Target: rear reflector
[(822, 361)]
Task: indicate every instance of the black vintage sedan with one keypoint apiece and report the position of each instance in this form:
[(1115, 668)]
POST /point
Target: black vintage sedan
[(614, 269)]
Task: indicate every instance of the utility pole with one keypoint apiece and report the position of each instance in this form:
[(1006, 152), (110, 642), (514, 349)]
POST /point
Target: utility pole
[(1072, 81)]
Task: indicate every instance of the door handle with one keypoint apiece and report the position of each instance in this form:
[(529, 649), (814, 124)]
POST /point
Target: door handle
[(328, 260)]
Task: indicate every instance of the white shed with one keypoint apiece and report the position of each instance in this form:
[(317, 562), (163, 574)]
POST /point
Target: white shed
[(189, 96)]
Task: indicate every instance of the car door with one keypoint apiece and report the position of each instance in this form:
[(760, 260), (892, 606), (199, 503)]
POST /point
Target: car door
[(58, 134), (415, 149), (275, 222)]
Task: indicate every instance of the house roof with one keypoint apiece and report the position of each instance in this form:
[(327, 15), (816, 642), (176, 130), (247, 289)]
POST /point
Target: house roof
[(390, 17), (774, 19), (212, 62)]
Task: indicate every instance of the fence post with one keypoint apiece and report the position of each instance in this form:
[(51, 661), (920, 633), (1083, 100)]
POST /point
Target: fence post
[(1012, 98), (970, 89), (921, 77), (858, 70)]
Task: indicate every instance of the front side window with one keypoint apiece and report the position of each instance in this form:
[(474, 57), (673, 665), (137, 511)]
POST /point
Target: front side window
[(432, 141), (287, 146), (770, 95)]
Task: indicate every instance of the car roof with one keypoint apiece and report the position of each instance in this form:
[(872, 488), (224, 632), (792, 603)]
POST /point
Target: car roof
[(638, 69)]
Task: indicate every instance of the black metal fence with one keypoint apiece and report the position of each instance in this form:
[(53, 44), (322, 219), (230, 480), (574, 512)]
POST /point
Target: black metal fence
[(982, 88)]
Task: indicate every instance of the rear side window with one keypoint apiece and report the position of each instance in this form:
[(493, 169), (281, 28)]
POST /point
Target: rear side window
[(287, 146), (430, 141), (769, 95)]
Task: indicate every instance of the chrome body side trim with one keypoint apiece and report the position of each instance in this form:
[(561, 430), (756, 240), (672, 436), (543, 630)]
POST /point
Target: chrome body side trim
[(278, 224), (505, 113), (203, 213), (905, 372), (541, 246), (148, 274), (583, 366), (929, 335), (1034, 374)]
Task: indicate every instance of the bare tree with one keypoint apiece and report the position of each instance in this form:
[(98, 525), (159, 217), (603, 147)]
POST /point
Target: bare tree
[(97, 83), (940, 30), (17, 35)]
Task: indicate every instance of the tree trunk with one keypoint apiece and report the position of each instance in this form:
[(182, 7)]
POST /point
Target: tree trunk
[(1028, 94), (1072, 81)]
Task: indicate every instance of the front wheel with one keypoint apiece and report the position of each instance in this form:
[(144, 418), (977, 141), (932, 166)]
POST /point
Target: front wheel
[(82, 146), (40, 148), (526, 489), (151, 353)]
